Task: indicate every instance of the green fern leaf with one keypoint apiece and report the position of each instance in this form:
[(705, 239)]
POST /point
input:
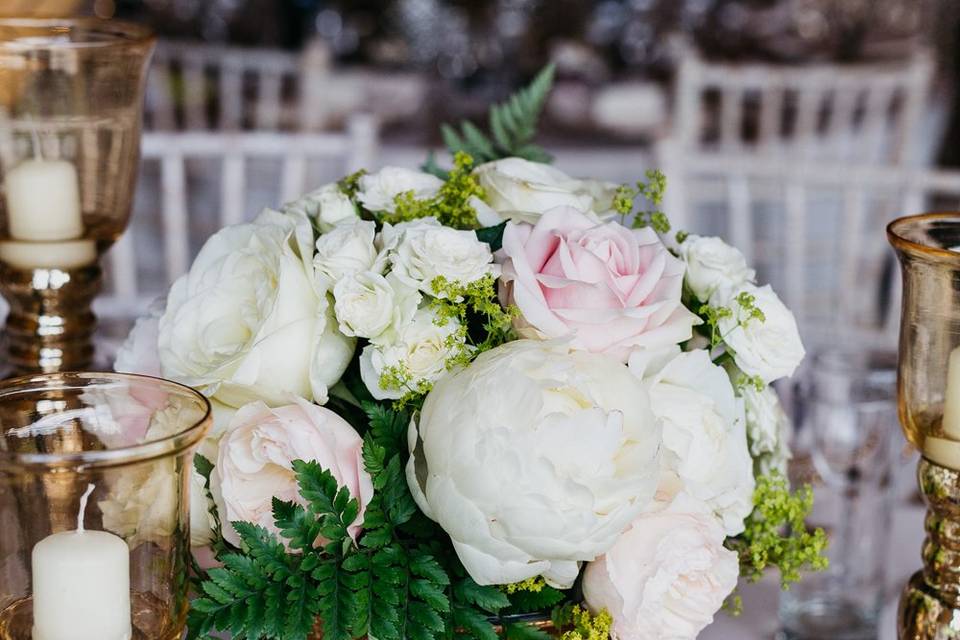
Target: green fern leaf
[(524, 631), (488, 598), (534, 601), (474, 623)]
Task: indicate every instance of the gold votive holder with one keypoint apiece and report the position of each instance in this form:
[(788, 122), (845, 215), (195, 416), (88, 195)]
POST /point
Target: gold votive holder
[(71, 95), (94, 506)]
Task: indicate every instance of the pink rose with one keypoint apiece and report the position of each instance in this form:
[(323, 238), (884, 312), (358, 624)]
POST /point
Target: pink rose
[(611, 289), (666, 576), (254, 464)]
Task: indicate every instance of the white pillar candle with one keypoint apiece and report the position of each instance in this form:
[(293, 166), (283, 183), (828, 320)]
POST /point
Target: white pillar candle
[(43, 201), (951, 397), (81, 585)]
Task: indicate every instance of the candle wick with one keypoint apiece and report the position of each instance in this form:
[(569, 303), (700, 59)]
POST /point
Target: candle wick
[(83, 507)]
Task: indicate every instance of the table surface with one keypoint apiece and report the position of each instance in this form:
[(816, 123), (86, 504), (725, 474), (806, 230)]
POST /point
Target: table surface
[(759, 618)]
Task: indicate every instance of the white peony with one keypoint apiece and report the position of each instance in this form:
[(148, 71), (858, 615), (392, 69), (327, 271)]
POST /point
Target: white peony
[(522, 190), (328, 205), (534, 459), (666, 576), (138, 354), (768, 429), (768, 348), (247, 322), (704, 435), (713, 264), (348, 248), (420, 349), (368, 304), (424, 249), (378, 191)]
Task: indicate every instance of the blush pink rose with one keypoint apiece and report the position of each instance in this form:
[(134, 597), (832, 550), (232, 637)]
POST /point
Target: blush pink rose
[(609, 288), (666, 576), (256, 454)]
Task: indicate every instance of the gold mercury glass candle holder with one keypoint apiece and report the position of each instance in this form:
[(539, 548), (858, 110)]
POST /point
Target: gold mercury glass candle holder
[(71, 94), (928, 247), (95, 482)]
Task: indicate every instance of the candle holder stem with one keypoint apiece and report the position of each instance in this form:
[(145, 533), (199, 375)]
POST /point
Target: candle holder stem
[(51, 322), (930, 603)]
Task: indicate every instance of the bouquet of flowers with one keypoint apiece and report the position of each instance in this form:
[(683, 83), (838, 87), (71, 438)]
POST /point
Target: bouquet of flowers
[(489, 399)]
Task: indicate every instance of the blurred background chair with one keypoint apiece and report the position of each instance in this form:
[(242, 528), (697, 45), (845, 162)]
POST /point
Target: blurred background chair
[(814, 230), (194, 183)]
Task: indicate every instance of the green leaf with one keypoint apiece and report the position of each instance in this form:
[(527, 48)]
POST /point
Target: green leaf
[(513, 124), (388, 427), (524, 631), (488, 597), (493, 236), (533, 601), (474, 623), (203, 466)]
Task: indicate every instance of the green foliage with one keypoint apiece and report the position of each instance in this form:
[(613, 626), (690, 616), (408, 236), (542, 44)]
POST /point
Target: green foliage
[(451, 206), (493, 236), (513, 126), (776, 534), (712, 316), (477, 308), (577, 623), (624, 201), (350, 184), (528, 601)]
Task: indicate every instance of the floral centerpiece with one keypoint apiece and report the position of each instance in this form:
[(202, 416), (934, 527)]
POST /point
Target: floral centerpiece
[(463, 402)]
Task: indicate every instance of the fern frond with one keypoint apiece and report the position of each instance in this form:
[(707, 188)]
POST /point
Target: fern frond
[(513, 126)]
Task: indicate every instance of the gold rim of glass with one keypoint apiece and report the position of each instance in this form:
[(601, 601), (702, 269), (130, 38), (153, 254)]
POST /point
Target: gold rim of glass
[(118, 33), (167, 445), (900, 242)]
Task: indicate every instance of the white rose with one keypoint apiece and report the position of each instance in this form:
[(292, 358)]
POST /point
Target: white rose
[(368, 304), (424, 249), (665, 577), (768, 429), (421, 349), (142, 502), (534, 459), (378, 191), (138, 354), (348, 248), (328, 205), (769, 348), (713, 264), (704, 435), (522, 190), (247, 322)]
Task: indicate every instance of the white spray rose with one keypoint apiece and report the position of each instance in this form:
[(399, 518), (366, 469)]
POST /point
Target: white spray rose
[(666, 576), (704, 435), (768, 429), (522, 190), (368, 304), (348, 248), (424, 249), (713, 264), (378, 191), (247, 322), (328, 205), (534, 459), (420, 349), (769, 348)]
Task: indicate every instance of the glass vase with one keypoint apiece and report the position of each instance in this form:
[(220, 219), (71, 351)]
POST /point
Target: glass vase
[(95, 473), (71, 96), (928, 388)]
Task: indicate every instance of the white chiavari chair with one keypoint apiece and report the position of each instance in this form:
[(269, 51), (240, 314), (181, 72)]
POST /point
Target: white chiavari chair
[(815, 230), (195, 86), (861, 113), (194, 183)]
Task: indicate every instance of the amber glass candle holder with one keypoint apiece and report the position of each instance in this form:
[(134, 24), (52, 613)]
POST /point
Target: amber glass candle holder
[(71, 95), (94, 506), (928, 247)]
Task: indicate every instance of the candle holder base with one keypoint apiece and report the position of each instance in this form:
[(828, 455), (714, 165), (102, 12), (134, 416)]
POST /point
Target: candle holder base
[(930, 603), (50, 326)]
